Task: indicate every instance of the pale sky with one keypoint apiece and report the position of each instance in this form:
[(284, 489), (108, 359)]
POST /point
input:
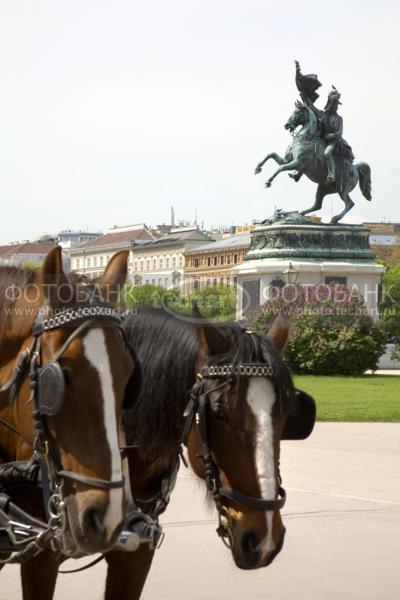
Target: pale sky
[(111, 112)]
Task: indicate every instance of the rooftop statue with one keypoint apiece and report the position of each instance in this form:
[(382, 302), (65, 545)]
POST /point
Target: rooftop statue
[(318, 149)]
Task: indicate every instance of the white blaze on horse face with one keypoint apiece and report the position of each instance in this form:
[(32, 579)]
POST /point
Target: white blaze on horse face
[(95, 348), (261, 398)]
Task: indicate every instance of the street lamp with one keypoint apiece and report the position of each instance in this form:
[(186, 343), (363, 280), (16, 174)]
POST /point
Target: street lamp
[(291, 274)]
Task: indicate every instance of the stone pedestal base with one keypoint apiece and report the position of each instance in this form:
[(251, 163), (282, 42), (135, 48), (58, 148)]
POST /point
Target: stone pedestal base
[(322, 254), (255, 279)]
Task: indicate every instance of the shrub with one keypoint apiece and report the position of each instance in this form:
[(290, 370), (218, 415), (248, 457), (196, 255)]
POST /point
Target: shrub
[(331, 330)]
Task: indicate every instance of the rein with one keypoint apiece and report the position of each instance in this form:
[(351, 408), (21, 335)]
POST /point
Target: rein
[(30, 536), (196, 409)]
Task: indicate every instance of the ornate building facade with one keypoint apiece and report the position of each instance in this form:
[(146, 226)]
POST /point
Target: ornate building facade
[(211, 264), (162, 262)]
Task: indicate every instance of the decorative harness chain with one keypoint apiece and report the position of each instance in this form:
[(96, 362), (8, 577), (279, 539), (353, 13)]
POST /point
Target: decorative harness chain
[(197, 409), (30, 536)]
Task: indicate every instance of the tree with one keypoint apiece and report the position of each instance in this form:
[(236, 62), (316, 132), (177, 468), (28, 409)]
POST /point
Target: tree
[(331, 331), (216, 302), (150, 295)]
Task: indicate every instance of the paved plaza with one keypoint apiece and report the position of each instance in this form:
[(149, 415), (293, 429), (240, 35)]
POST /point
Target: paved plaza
[(343, 530)]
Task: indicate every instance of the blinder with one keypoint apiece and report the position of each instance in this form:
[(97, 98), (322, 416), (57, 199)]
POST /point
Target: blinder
[(299, 425), (50, 389)]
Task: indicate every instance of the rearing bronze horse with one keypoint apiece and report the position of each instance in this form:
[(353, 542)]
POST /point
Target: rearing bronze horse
[(305, 155)]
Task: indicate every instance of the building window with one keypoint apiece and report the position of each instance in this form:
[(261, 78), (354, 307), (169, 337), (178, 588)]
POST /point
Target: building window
[(101, 261), (228, 259), (88, 262), (95, 261), (154, 263), (221, 281), (209, 261), (181, 261), (208, 282), (335, 280), (161, 263), (215, 261), (222, 259), (147, 282), (136, 265), (148, 265), (174, 261), (196, 262), (228, 281), (167, 263), (235, 282), (235, 258), (160, 282), (166, 282), (215, 283)]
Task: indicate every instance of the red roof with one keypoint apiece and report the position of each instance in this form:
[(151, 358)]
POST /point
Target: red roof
[(119, 237), (26, 248)]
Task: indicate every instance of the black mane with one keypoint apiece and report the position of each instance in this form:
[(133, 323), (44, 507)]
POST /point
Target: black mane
[(168, 348)]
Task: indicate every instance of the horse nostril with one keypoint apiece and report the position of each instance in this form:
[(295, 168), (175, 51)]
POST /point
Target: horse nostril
[(249, 543), (93, 521)]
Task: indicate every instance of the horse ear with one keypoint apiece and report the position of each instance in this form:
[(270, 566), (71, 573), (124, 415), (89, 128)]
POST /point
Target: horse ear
[(298, 104), (53, 280), (114, 276), (278, 333), (211, 339)]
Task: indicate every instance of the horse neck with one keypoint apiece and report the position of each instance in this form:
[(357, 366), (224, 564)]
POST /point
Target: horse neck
[(168, 354), (309, 130)]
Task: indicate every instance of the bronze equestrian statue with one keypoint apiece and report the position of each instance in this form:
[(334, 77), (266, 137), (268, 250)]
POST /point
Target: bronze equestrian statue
[(318, 149)]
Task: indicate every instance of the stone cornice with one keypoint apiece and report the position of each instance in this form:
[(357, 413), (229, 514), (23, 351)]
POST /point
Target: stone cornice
[(306, 241), (81, 251), (228, 249)]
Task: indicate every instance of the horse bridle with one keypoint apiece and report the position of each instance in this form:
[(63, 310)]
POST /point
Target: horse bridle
[(196, 410), (51, 472)]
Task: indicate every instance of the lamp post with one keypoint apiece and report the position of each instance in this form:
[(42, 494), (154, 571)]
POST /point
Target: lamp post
[(291, 274)]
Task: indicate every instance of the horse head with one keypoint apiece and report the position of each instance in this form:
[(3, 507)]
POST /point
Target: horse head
[(246, 403), (78, 368), (298, 117)]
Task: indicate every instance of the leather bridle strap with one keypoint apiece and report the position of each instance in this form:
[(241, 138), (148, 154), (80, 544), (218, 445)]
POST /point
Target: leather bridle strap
[(255, 503), (92, 481)]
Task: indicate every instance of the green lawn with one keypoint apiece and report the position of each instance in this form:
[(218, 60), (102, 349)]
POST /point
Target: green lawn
[(360, 398)]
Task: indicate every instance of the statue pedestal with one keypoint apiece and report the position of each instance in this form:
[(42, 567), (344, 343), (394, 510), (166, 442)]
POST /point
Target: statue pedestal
[(321, 254)]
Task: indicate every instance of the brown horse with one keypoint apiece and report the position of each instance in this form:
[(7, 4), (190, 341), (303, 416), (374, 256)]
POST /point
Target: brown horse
[(241, 404), (64, 370)]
